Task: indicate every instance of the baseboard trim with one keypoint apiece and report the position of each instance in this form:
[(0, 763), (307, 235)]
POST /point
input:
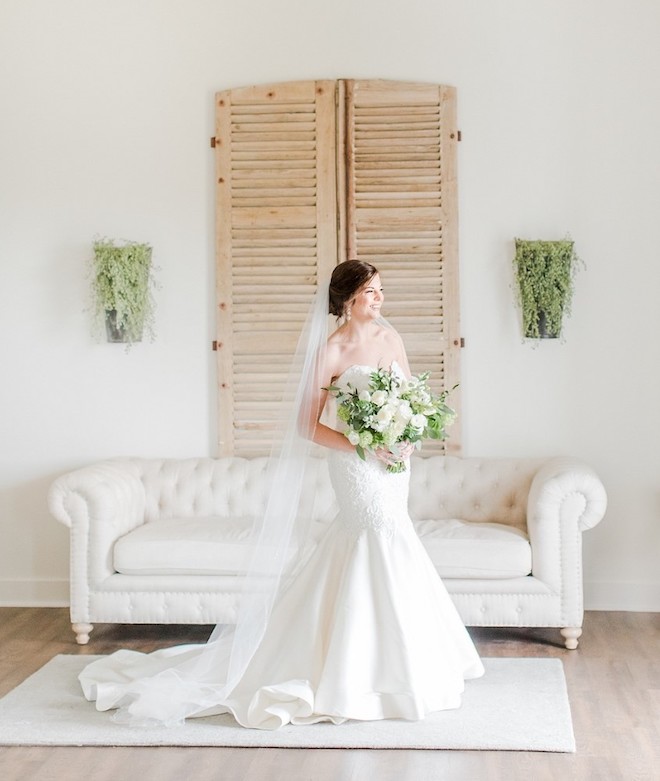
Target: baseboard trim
[(627, 597), (34, 592)]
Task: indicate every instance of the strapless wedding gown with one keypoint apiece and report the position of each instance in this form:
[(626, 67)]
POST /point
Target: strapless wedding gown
[(366, 630)]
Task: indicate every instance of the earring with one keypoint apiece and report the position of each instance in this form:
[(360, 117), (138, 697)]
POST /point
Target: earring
[(348, 313)]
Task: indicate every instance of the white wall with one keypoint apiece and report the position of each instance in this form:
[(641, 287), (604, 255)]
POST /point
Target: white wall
[(106, 116)]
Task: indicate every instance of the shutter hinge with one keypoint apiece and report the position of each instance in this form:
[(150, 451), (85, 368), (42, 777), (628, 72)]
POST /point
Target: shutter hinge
[(459, 137), (459, 342), (213, 142), (214, 345)]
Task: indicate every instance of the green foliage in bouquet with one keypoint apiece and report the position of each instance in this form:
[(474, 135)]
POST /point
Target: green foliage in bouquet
[(122, 288), (545, 271), (390, 411)]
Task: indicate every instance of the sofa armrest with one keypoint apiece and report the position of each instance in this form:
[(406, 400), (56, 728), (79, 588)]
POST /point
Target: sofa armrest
[(566, 497), (99, 503), (569, 488)]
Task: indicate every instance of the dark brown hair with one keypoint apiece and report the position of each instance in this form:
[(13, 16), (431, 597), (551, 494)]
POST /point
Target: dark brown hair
[(347, 278)]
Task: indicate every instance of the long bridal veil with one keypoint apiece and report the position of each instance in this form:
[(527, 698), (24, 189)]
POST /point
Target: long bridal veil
[(165, 687)]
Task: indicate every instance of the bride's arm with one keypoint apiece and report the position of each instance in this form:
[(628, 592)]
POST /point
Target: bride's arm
[(328, 437), (309, 420)]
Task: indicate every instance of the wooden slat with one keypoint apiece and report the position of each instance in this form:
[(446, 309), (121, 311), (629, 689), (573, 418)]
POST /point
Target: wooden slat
[(269, 219), (290, 159), (282, 96)]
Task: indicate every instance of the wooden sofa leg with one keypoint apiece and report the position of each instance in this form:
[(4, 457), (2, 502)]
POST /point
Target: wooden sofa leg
[(571, 634), (82, 632)]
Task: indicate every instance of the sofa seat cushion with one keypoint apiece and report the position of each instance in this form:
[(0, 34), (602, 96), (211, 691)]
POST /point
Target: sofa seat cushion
[(216, 546), (184, 546), (476, 550)]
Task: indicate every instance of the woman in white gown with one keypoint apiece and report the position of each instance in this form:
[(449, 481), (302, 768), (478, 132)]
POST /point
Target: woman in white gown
[(365, 628)]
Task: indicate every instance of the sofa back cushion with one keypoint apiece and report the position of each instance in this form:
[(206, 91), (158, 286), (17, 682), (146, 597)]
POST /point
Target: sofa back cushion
[(476, 490), (441, 487), (226, 488)]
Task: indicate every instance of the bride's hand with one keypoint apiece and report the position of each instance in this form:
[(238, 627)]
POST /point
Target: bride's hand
[(384, 455), (387, 457)]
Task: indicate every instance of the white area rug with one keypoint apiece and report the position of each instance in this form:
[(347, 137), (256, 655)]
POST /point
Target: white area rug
[(519, 705)]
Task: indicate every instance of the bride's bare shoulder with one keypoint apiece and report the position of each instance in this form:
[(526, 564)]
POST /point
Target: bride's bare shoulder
[(389, 335), (332, 354)]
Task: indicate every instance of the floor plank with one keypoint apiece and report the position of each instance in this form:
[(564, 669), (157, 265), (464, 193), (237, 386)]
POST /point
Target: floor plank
[(613, 682)]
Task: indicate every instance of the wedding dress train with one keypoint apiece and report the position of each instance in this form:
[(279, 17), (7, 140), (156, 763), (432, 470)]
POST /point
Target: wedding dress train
[(365, 630)]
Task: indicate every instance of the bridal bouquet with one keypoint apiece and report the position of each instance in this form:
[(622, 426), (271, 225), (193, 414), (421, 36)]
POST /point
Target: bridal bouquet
[(389, 410)]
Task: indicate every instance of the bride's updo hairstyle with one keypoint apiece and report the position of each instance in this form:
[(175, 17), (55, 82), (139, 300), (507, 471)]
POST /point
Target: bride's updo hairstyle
[(347, 278)]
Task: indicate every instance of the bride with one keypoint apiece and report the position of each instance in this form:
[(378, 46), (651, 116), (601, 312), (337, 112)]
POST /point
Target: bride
[(357, 625)]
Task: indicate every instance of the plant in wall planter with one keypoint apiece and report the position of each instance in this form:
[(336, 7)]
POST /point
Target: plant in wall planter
[(122, 286), (545, 271)]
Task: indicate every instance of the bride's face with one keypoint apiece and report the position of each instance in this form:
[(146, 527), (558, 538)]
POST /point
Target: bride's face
[(368, 300)]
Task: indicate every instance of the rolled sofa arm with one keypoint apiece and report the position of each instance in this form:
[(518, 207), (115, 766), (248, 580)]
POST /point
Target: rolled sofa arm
[(566, 497), (99, 503), (566, 488)]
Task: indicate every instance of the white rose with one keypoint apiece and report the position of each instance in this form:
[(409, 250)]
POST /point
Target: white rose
[(405, 411), (379, 398), (360, 380), (353, 437), (385, 414), (398, 427), (364, 395), (418, 422)]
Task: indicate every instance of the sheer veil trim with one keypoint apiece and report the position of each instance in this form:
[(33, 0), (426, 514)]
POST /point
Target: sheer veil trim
[(197, 680)]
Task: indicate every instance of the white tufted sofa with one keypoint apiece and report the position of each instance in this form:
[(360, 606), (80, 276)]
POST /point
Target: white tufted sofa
[(161, 541)]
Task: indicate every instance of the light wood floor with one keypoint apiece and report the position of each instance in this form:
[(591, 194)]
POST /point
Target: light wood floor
[(613, 682)]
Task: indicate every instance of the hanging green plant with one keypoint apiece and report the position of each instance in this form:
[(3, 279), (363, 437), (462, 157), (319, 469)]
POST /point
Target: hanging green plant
[(545, 271), (122, 288)]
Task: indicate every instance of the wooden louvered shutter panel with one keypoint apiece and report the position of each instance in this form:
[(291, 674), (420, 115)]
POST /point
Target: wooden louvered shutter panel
[(276, 232), (401, 214)]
